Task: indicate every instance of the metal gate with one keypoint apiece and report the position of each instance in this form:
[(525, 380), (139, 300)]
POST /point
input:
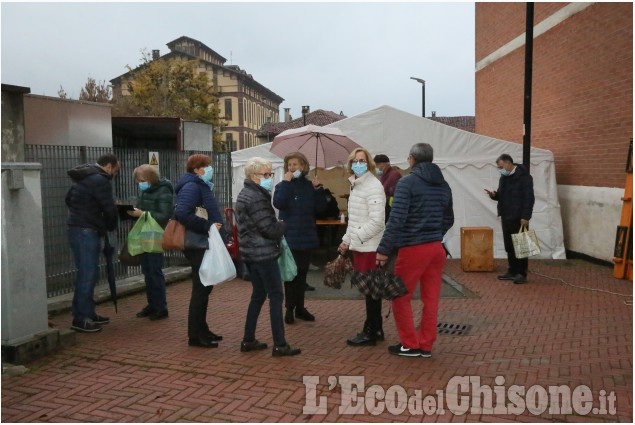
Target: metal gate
[(56, 160)]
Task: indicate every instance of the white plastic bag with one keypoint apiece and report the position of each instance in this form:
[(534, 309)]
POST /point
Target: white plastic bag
[(217, 266)]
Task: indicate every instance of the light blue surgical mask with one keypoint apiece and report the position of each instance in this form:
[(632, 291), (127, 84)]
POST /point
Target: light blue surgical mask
[(378, 172), (267, 183), (359, 168), (297, 174), (143, 186), (503, 172), (209, 172)]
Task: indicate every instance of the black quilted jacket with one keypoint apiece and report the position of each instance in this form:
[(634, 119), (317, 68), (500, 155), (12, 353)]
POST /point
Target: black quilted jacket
[(90, 199), (259, 231)]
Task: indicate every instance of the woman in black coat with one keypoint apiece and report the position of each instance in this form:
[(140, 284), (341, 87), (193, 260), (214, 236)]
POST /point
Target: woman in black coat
[(299, 200), (259, 235), (195, 190)]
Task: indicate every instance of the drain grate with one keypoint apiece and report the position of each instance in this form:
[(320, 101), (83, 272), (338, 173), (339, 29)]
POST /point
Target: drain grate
[(452, 329)]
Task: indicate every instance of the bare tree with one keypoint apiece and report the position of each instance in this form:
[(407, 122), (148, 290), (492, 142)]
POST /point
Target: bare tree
[(62, 93), (95, 91)]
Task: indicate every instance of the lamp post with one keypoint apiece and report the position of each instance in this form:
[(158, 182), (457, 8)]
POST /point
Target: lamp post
[(423, 94), (305, 110)]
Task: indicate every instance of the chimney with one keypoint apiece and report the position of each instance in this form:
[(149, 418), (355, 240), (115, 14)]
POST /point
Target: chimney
[(287, 116), (155, 54), (434, 114)]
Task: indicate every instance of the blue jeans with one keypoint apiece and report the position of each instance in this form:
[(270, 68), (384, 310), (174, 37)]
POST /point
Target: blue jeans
[(86, 247), (266, 281), (152, 268)]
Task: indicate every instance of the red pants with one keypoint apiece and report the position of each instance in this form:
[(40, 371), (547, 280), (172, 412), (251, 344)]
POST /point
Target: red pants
[(419, 263), (364, 261)]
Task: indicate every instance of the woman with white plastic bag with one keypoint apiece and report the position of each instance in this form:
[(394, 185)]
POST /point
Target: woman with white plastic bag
[(217, 265)]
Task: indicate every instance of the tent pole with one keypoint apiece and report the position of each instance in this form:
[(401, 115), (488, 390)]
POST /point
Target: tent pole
[(529, 52)]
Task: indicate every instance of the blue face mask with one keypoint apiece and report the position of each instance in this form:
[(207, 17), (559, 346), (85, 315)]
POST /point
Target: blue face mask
[(209, 172), (267, 183), (297, 174), (503, 172), (359, 168), (143, 186), (378, 172)]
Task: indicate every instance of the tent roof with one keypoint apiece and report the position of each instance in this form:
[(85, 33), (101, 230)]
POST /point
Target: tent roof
[(392, 132)]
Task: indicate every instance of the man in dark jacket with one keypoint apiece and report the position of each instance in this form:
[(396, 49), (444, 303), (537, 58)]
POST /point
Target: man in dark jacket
[(421, 214), (388, 176), (515, 196), (92, 213)]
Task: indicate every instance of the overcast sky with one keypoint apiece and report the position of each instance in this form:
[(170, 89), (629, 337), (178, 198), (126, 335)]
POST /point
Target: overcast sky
[(341, 57)]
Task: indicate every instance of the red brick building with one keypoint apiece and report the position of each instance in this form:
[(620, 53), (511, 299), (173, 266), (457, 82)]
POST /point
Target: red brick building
[(582, 101)]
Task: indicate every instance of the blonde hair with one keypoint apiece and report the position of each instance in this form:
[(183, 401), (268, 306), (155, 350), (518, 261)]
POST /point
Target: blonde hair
[(369, 161), (147, 173), (297, 155), (254, 165)]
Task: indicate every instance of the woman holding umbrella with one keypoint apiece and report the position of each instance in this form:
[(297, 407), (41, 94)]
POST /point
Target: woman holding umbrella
[(366, 212), (298, 200)]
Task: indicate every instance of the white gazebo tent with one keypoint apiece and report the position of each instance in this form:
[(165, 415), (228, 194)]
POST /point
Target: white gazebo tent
[(467, 161)]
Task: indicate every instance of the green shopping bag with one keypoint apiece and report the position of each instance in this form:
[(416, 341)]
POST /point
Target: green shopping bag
[(286, 263), (145, 236)]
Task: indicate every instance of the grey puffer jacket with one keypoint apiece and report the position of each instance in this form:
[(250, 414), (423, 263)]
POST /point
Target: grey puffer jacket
[(259, 231)]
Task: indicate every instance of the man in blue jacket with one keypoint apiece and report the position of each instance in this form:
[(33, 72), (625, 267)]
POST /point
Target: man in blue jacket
[(92, 213), (515, 196), (421, 214)]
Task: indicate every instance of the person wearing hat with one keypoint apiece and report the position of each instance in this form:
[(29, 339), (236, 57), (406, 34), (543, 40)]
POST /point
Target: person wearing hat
[(388, 176)]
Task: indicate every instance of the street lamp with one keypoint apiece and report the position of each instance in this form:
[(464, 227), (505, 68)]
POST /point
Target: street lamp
[(423, 94)]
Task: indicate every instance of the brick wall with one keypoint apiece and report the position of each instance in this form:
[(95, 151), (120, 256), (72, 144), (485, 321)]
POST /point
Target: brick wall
[(582, 87)]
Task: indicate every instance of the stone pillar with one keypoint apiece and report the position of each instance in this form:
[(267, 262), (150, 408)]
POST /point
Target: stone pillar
[(24, 308)]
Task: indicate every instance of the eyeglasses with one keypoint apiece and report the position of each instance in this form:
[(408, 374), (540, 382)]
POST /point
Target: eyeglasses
[(359, 161), (265, 175)]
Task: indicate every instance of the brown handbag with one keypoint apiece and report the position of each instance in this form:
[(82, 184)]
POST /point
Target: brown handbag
[(177, 238), (174, 236)]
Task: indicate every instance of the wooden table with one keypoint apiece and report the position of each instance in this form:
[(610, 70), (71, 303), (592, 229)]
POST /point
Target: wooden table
[(333, 230)]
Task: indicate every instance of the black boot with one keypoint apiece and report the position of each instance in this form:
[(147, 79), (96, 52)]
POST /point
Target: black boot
[(367, 337), (289, 317), (380, 329)]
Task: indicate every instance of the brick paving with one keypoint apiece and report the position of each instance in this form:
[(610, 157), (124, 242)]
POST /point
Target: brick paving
[(544, 333)]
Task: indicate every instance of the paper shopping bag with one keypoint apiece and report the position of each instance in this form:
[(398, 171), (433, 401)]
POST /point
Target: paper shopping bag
[(525, 243)]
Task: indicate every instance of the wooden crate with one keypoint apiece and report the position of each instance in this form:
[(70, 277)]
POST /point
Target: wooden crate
[(477, 249)]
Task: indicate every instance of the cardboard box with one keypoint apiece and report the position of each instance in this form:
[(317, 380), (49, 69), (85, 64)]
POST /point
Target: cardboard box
[(477, 249)]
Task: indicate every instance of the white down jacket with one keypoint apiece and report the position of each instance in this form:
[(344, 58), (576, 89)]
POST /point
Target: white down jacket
[(366, 212)]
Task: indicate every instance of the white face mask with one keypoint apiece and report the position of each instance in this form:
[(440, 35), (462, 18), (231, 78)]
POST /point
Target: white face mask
[(297, 174)]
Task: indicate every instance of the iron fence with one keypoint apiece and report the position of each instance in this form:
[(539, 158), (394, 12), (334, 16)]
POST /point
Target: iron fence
[(56, 160)]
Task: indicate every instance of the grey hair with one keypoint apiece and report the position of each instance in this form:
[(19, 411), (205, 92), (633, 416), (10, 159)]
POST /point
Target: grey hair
[(254, 165), (421, 152)]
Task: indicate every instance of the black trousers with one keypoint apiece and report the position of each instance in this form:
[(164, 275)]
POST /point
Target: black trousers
[(373, 315), (294, 290), (516, 265), (197, 314)]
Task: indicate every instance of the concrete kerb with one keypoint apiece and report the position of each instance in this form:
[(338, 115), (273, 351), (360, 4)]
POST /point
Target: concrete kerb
[(128, 286)]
